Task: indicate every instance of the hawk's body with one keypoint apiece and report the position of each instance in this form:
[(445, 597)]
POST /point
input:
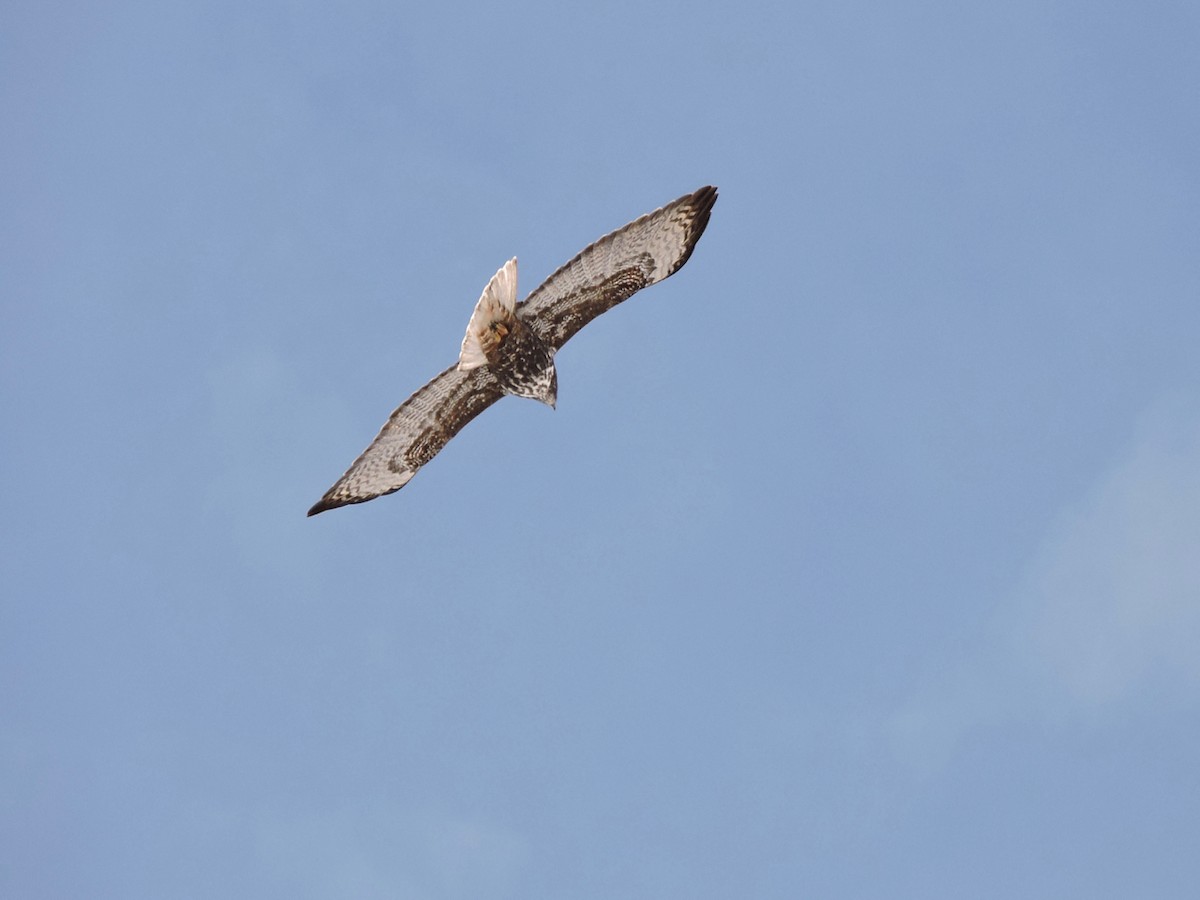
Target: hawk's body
[(509, 347)]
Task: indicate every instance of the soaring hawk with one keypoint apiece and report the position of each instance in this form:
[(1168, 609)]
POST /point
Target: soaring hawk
[(509, 346)]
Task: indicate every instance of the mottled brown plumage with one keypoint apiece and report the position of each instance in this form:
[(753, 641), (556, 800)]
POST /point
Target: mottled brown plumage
[(509, 347)]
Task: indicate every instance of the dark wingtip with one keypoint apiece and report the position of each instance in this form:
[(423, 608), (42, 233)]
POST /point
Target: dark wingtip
[(321, 505), (702, 202)]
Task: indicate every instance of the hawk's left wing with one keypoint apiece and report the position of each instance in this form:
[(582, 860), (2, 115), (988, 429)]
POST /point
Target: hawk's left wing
[(413, 435), (618, 265)]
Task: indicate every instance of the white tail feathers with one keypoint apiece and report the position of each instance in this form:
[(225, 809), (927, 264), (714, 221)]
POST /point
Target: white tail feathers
[(492, 319)]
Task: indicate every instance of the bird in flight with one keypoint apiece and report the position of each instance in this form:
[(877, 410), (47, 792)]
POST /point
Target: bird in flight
[(509, 346)]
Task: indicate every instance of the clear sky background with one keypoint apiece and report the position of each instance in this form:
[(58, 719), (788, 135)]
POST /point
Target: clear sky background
[(860, 558)]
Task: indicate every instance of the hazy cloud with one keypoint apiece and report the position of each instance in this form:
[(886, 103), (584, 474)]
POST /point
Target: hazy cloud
[(1108, 610), (349, 854), (1115, 592)]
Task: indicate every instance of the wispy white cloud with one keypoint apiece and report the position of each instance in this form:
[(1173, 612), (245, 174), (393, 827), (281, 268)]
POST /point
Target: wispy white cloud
[(398, 854), (1115, 592), (1106, 615)]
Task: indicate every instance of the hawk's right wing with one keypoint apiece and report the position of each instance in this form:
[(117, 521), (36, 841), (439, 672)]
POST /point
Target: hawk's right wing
[(617, 266), (413, 435)]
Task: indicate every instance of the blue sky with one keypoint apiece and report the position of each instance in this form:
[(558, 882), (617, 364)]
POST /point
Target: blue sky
[(858, 558)]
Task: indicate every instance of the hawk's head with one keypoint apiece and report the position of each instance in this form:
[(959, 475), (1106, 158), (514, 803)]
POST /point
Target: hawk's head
[(524, 365), (540, 385), (550, 397)]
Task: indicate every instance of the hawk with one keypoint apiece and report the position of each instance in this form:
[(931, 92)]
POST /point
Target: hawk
[(509, 347)]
